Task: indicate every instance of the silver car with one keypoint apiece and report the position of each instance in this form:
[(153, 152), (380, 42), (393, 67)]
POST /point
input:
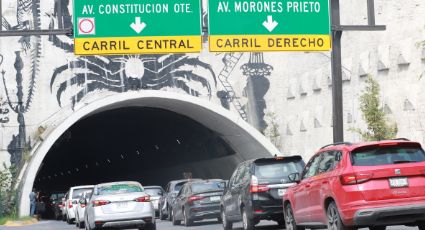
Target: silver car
[(155, 192), (120, 205)]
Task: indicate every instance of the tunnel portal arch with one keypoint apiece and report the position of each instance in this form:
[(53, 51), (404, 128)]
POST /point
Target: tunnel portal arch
[(247, 142)]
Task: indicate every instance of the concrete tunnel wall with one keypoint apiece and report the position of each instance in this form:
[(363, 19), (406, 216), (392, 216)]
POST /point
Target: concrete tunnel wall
[(247, 142)]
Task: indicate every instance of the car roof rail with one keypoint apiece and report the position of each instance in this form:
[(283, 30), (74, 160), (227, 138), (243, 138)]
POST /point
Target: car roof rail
[(400, 139), (337, 143)]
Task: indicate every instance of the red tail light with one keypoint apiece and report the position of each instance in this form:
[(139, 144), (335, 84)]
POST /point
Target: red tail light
[(255, 187), (70, 204), (97, 203), (143, 199), (195, 198), (358, 178)]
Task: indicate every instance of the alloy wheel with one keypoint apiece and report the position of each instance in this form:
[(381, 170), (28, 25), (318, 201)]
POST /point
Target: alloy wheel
[(289, 218), (333, 218)]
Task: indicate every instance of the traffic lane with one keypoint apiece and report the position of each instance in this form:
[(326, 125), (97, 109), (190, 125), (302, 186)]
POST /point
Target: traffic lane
[(166, 225)]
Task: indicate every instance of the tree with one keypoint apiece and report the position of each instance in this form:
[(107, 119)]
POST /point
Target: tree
[(378, 126), (8, 192)]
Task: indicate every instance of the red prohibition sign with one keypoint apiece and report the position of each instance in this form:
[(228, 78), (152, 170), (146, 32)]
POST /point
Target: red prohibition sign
[(90, 29)]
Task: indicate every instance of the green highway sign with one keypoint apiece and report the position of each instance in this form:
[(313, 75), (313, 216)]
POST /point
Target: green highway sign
[(137, 26), (269, 25)]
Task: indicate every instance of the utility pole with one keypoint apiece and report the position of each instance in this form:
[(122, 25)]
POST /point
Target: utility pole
[(337, 29)]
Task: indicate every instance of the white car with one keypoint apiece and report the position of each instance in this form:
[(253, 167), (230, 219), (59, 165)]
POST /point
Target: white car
[(81, 207), (72, 199), (120, 205), (155, 192)]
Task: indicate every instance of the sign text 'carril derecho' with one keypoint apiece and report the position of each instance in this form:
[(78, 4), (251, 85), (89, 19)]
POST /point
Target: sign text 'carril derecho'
[(135, 27), (269, 25)]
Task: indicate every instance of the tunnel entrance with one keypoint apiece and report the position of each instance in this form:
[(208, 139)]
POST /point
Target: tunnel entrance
[(144, 144), (111, 130)]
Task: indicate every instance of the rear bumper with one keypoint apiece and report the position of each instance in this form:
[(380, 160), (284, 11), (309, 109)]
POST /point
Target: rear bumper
[(390, 215), (122, 224), (267, 211), (204, 212)]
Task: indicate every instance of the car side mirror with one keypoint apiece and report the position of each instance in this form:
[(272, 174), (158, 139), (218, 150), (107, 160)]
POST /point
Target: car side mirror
[(294, 177)]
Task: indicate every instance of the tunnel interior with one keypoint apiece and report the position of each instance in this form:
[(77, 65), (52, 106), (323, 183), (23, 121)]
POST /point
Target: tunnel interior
[(149, 145)]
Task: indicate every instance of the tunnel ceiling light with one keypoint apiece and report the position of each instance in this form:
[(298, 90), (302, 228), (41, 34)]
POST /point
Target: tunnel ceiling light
[(56, 175), (137, 151), (87, 166), (109, 161), (122, 157), (97, 164), (76, 169), (69, 172), (178, 141), (157, 147), (62, 173)]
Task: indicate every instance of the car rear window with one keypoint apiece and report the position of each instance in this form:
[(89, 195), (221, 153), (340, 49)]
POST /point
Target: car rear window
[(277, 169), (119, 189), (153, 191), (78, 193), (388, 155), (178, 186), (207, 186)]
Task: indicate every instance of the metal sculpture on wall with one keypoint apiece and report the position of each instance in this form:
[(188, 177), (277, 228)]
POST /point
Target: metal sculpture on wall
[(4, 111), (128, 72), (256, 88)]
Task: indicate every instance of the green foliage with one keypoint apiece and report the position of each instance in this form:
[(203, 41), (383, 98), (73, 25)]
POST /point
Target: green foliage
[(8, 193), (378, 126), (272, 130)]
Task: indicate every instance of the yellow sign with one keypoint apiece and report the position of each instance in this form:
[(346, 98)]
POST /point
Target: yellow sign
[(259, 43), (138, 45)]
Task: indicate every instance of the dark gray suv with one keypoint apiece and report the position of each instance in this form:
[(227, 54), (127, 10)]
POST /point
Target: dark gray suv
[(255, 191)]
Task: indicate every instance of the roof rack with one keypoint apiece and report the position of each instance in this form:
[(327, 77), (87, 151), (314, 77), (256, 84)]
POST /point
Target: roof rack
[(400, 139), (337, 143)]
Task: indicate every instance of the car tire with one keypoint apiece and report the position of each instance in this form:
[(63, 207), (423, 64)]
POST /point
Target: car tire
[(169, 216), (227, 225), (81, 225), (173, 219), (187, 221), (69, 221), (248, 224), (421, 225), (281, 223), (378, 228), (334, 219), (64, 218), (150, 226), (161, 215), (290, 222)]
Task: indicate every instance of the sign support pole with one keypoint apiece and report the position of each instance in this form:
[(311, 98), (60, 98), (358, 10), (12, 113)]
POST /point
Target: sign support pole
[(337, 29), (337, 105)]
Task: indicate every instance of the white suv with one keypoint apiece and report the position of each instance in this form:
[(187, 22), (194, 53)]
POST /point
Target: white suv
[(74, 195)]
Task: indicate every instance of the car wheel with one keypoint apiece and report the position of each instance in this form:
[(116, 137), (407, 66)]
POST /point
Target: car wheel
[(334, 219), (64, 218), (290, 222), (378, 228), (169, 217), (227, 225), (421, 225), (69, 221), (173, 219), (82, 223), (161, 215), (281, 223), (150, 226), (248, 224), (187, 221)]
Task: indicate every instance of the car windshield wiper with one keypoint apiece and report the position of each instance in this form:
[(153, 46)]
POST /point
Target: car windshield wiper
[(403, 161)]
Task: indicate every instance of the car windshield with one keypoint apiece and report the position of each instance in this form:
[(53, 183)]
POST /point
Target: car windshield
[(78, 193), (207, 186), (153, 191), (119, 189), (178, 186), (385, 156), (57, 196), (277, 169)]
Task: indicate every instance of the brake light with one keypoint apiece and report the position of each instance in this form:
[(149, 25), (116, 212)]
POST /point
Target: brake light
[(255, 187), (388, 144), (70, 204), (97, 203), (143, 199), (195, 198), (358, 178)]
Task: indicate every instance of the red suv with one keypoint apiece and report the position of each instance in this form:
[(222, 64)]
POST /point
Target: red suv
[(348, 186)]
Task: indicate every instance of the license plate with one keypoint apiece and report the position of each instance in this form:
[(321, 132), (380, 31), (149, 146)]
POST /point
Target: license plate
[(122, 205), (215, 198), (281, 192), (399, 182)]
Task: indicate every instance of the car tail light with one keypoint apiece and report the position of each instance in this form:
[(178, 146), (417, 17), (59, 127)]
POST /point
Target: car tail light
[(195, 198), (357, 178), (143, 199), (255, 187), (97, 203), (70, 204)]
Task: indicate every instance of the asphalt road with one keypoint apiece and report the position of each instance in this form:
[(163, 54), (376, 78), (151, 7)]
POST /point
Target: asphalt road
[(162, 225)]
